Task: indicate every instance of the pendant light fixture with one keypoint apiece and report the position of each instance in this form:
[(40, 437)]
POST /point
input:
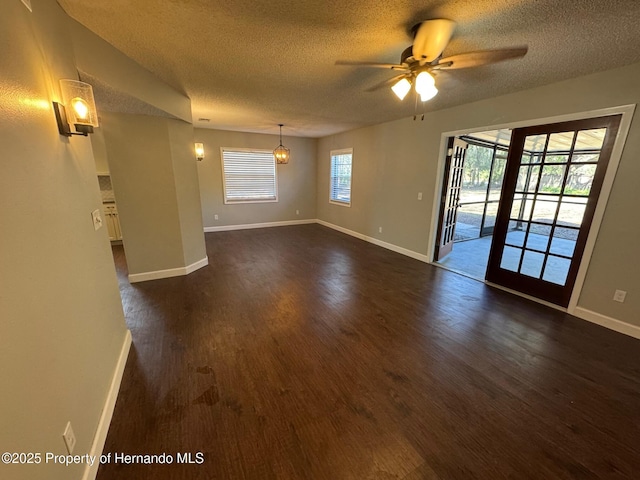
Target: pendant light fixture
[(281, 153)]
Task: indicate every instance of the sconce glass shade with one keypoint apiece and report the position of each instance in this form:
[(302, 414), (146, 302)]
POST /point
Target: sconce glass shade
[(281, 153), (199, 151), (78, 99), (401, 88), (425, 86)]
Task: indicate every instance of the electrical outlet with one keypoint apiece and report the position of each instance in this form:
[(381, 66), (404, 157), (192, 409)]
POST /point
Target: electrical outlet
[(619, 296), (419, 195), (297, 212), (69, 438), (97, 219), (215, 217), (379, 229)]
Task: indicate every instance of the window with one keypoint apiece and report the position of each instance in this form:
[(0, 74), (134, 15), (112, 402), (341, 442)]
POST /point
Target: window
[(340, 190), (249, 176)]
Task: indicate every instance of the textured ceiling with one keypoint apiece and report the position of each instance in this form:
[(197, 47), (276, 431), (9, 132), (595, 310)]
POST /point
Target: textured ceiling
[(251, 64)]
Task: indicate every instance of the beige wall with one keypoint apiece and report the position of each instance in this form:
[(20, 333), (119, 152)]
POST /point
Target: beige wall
[(154, 178), (185, 177), (99, 150), (296, 180), (396, 160), (61, 320)]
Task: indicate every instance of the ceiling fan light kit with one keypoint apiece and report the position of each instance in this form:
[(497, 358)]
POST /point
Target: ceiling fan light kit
[(420, 61)]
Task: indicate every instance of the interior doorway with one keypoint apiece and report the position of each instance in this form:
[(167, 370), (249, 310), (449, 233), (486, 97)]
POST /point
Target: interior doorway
[(474, 172), (517, 205)]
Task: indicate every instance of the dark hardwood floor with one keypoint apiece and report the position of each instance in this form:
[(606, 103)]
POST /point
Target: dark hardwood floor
[(302, 353)]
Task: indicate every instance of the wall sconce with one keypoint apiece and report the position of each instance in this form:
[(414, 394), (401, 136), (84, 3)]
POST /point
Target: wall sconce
[(78, 108), (281, 153), (199, 151)]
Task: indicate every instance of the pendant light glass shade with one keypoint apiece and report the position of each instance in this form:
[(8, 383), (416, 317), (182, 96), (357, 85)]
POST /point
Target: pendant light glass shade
[(281, 153), (401, 88)]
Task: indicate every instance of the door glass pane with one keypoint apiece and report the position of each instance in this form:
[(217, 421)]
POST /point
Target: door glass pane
[(538, 238), (552, 178), (497, 175), (579, 179), (585, 157), (515, 206), (490, 218), (515, 235), (571, 213), (563, 241), (545, 209), (532, 182), (535, 143), (532, 264), (523, 178), (468, 222), (556, 158), (590, 139), (521, 208), (556, 270), (526, 158), (560, 142), (511, 258)]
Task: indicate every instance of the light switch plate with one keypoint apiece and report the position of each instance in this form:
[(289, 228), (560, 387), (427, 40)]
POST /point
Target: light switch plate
[(97, 219), (619, 296)]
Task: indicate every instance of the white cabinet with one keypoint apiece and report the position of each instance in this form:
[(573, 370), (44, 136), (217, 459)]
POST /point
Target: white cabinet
[(111, 219)]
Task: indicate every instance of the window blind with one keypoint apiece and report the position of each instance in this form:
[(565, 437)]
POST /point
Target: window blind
[(249, 176), (341, 176)]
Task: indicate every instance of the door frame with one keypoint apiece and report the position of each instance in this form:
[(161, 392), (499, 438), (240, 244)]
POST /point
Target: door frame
[(626, 111)]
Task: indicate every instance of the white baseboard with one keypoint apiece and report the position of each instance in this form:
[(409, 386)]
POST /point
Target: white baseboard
[(607, 322), (375, 241), (171, 272), (246, 226), (203, 262), (100, 437)]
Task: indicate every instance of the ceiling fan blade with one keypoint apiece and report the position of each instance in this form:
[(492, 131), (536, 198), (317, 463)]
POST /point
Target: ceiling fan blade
[(388, 66), (483, 57), (431, 37), (386, 83)]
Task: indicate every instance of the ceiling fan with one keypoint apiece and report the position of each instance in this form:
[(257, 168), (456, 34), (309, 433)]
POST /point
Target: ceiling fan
[(420, 61)]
